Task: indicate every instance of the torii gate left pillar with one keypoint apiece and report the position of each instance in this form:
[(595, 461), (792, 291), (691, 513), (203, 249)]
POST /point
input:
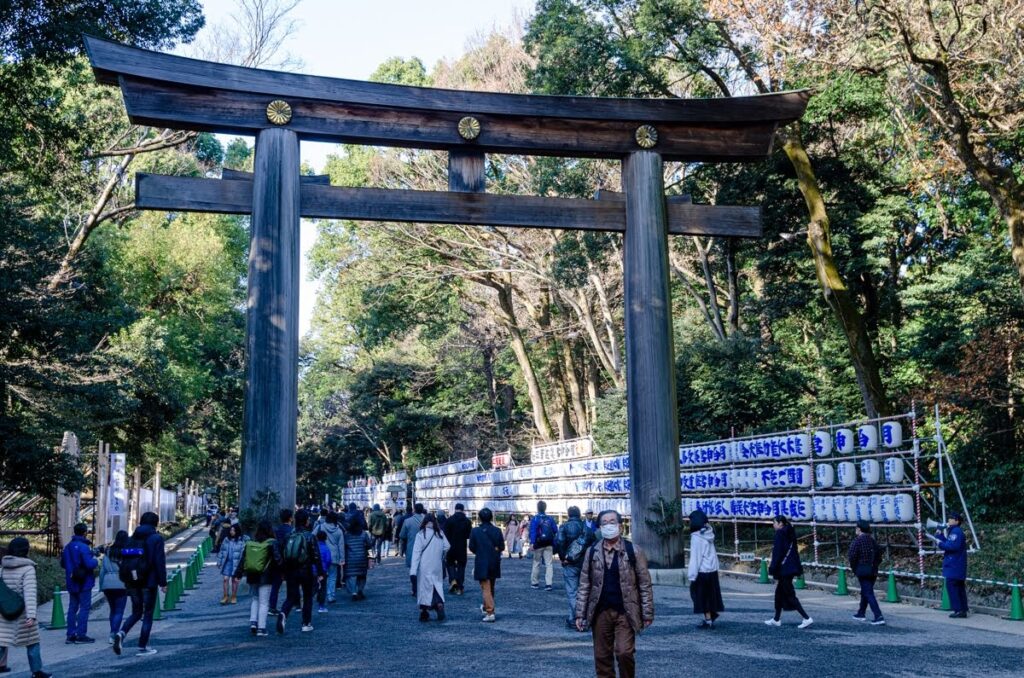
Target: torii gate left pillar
[(272, 322)]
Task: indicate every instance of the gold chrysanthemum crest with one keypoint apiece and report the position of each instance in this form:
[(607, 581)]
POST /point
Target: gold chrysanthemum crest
[(279, 112), (646, 136), (469, 128)]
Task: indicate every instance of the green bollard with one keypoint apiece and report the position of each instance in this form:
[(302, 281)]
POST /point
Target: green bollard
[(891, 594), (841, 588), (190, 574), (945, 607), (799, 583), (57, 620), (1016, 609), (169, 600), (157, 614), (763, 578)]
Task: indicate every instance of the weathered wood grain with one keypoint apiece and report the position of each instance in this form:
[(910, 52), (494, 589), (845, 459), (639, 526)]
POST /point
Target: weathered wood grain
[(272, 322), (466, 171), (191, 194), (239, 175), (650, 358), (111, 60), (229, 112)]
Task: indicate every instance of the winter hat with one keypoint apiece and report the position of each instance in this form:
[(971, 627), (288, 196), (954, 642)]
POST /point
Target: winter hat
[(864, 526), (18, 547), (698, 519)]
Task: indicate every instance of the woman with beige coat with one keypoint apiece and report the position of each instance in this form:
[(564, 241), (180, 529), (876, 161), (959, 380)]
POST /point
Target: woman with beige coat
[(427, 566), (19, 574), (511, 536)]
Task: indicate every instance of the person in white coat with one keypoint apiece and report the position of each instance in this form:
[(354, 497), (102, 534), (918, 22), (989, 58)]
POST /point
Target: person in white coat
[(703, 571), (427, 567), (19, 574)]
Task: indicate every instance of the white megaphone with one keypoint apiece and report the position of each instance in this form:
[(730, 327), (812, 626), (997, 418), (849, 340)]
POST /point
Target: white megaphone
[(932, 525)]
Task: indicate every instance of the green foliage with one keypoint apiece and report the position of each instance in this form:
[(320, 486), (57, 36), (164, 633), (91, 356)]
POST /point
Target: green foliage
[(399, 71), (611, 434), (264, 505)]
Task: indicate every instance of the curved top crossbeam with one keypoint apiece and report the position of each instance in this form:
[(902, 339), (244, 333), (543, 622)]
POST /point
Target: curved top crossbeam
[(185, 93)]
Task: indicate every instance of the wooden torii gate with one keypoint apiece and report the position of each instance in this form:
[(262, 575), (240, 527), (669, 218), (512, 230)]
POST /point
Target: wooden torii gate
[(279, 109)]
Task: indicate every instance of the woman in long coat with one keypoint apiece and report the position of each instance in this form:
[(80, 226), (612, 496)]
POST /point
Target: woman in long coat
[(785, 565), (427, 566), (228, 559), (19, 574), (357, 559), (511, 535)]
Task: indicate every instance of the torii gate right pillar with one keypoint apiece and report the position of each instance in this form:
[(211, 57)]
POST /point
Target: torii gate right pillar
[(650, 358)]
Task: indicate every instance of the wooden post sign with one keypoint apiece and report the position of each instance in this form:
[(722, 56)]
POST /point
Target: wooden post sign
[(280, 109)]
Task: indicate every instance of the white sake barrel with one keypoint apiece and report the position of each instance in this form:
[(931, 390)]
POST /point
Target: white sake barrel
[(870, 471), (846, 474), (849, 508), (887, 508), (863, 507), (822, 443), (875, 508), (835, 508), (844, 440), (826, 475), (867, 437), (894, 470), (903, 508), (892, 434)]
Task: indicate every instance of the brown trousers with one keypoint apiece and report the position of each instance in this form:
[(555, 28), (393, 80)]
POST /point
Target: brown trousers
[(614, 641), (487, 589)]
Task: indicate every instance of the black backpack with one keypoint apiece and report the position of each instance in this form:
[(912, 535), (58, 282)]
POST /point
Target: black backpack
[(134, 567)]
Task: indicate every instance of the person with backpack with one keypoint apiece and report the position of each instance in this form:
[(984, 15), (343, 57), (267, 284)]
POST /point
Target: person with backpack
[(143, 571), (427, 566), (543, 530), (358, 543), (615, 598), (79, 565), (282, 531), (703, 571), (302, 570), (378, 525), (260, 564), (487, 543), (227, 561), (457, 530), (18, 598), (111, 584), (784, 566), (865, 556), (411, 528), (571, 545)]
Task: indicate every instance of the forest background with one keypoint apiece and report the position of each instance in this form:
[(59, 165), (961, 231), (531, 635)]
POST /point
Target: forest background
[(891, 269)]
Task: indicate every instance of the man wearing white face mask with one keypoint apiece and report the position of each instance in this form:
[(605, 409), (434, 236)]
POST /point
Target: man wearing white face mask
[(615, 598)]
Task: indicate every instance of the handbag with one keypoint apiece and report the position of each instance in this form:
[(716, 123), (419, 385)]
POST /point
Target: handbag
[(12, 605)]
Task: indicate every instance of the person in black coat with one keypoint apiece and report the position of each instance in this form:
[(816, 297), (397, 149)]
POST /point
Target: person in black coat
[(457, 529), (785, 565), (487, 543)]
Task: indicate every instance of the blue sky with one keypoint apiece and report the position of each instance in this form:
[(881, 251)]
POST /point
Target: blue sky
[(350, 38)]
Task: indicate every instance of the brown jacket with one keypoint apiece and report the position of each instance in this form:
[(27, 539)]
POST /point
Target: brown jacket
[(637, 590)]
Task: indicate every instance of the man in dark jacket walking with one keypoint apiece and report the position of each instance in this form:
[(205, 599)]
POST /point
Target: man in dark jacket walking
[(302, 570), (571, 545), (457, 529), (954, 564), (378, 526), (144, 597), (865, 557), (487, 543), (79, 565), (282, 531)]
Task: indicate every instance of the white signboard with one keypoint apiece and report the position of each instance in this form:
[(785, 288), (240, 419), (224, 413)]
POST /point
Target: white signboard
[(564, 449)]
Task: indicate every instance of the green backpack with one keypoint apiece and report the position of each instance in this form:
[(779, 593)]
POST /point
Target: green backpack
[(257, 556), (296, 550)]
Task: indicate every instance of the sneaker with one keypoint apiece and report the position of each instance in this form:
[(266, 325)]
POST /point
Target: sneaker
[(773, 622), (118, 641), (488, 618), (958, 615), (705, 624), (37, 674), (878, 622), (252, 629), (272, 612), (281, 621), (534, 586), (145, 651), (261, 633), (549, 588), (805, 623), (360, 596), (110, 639), (482, 610), (306, 628), (860, 617), (84, 640), (70, 640), (321, 610)]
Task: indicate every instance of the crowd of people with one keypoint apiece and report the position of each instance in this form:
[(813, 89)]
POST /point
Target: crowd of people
[(313, 553)]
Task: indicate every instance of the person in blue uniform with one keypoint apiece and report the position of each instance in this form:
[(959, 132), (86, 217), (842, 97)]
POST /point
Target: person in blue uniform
[(954, 564)]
